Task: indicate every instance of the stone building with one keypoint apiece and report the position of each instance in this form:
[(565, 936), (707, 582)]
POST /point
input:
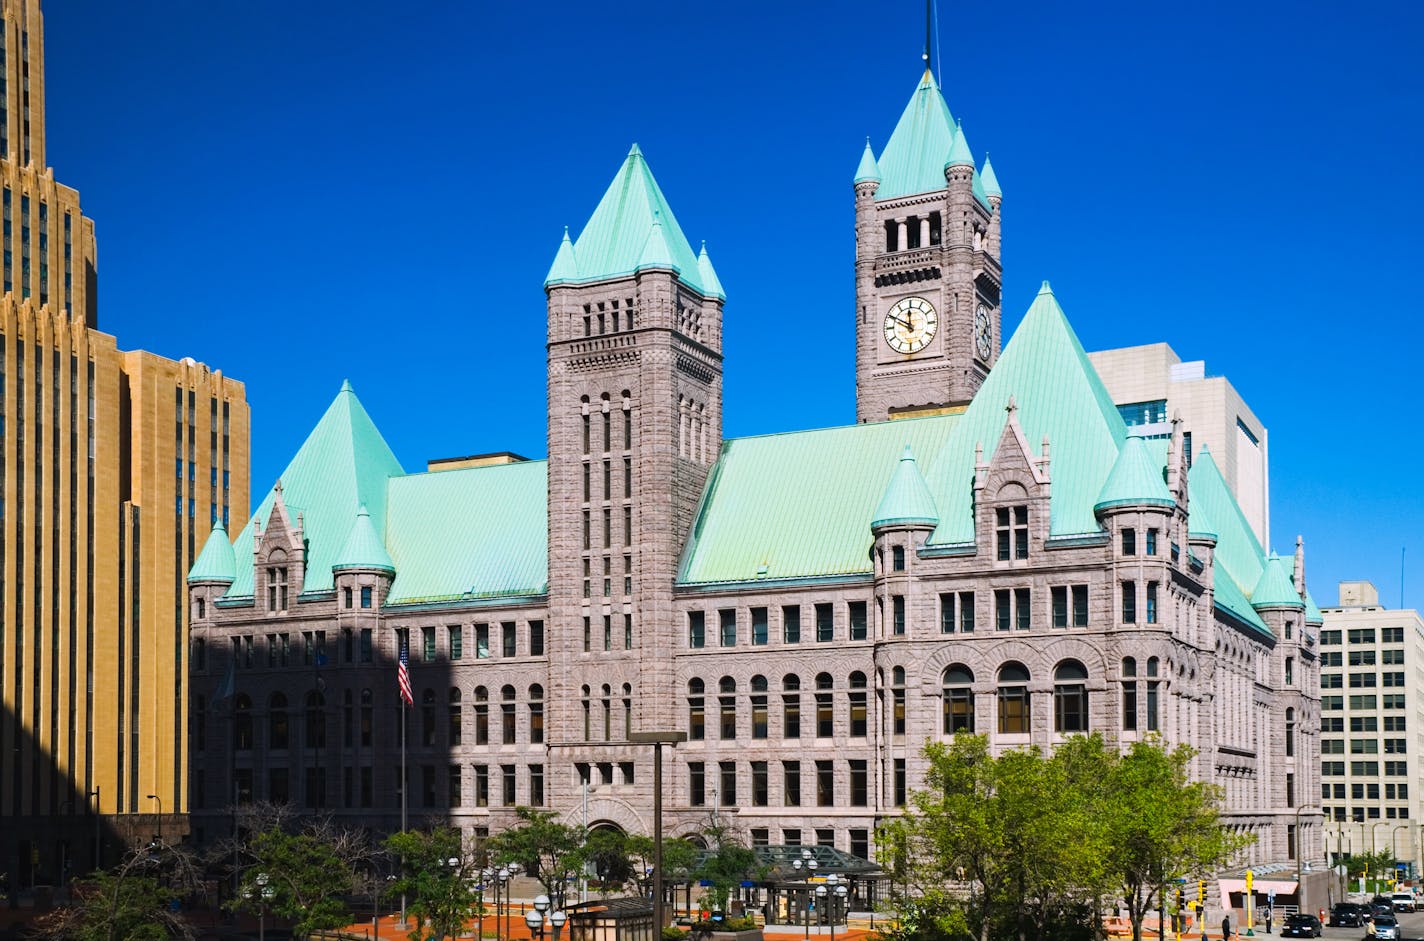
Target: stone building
[(112, 465), (988, 549)]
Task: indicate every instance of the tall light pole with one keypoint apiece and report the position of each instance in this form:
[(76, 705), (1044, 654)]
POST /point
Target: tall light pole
[(658, 739), (535, 919), (155, 797), (97, 848), (805, 862), (1394, 843)]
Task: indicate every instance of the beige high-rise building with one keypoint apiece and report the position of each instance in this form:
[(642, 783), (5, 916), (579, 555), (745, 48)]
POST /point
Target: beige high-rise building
[(112, 466), (1150, 385)]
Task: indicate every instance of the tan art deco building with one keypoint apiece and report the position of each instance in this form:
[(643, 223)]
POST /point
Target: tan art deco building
[(112, 468)]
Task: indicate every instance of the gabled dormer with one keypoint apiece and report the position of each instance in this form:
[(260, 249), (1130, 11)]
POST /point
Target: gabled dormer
[(278, 559), (1011, 497)]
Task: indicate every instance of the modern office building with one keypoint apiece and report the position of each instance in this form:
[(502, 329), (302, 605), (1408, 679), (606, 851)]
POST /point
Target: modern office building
[(1371, 712), (112, 468), (989, 549), (1151, 385)]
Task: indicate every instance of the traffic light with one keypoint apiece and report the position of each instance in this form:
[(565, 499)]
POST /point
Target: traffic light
[(1201, 891), (1181, 900), (1250, 880)]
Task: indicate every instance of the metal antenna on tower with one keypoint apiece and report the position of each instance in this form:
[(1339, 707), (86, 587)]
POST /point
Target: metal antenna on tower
[(929, 33)]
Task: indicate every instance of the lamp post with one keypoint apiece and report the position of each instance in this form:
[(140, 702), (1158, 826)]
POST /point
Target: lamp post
[(557, 918), (841, 892), (1299, 852), (155, 797), (261, 893), (535, 918), (658, 739), (1394, 843), (95, 794), (501, 877), (485, 875), (805, 862), (820, 907)]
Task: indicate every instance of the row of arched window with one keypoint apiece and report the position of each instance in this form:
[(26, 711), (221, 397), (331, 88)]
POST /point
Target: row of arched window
[(598, 716)]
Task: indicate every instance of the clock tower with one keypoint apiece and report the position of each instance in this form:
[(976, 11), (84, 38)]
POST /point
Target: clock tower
[(927, 273)]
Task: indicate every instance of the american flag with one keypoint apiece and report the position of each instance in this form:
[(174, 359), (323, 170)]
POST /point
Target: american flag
[(403, 676)]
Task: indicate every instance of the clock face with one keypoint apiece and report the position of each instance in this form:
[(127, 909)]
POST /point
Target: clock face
[(983, 333), (910, 325)]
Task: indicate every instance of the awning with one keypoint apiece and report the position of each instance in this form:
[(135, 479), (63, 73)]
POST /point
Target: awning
[(1259, 887)]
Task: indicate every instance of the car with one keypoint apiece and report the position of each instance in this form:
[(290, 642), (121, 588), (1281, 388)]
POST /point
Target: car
[(1301, 925), (1347, 915), (1385, 928), (1403, 901)]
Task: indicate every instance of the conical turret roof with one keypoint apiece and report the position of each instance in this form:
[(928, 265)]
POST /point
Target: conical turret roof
[(656, 253), (959, 153), (989, 178), (216, 562), (364, 548), (1274, 589), (710, 282), (869, 170), (907, 500), (1135, 480), (913, 159), (565, 266)]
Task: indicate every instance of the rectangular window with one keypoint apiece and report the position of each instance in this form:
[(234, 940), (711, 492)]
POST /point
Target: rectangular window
[(427, 643), (456, 641), (791, 624), (536, 785), (1080, 605), (857, 620), (508, 781), (760, 790), (696, 784), (1023, 609), (946, 612), (482, 641), (365, 596), (897, 558), (966, 612), (536, 638), (1003, 609), (1152, 606), (481, 785), (759, 632), (897, 605), (825, 623), (452, 785), (859, 783), (791, 783), (510, 637), (900, 787), (696, 629), (727, 783), (1060, 606), (1129, 541), (1129, 602), (825, 784), (1151, 547), (728, 622)]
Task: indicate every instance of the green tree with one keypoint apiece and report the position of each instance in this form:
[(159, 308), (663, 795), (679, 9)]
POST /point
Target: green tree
[(725, 864), (607, 851), (1371, 866), (303, 877), (1161, 825), (438, 879), (134, 901), (548, 850)]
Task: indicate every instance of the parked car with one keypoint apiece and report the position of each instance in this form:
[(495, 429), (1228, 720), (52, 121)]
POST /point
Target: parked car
[(1301, 925), (1385, 928), (1403, 901), (1347, 915)]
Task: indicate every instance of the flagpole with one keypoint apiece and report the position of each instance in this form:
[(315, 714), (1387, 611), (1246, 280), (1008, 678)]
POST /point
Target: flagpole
[(403, 682), (404, 783)]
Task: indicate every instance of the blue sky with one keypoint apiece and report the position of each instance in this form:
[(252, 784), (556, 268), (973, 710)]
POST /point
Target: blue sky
[(301, 191)]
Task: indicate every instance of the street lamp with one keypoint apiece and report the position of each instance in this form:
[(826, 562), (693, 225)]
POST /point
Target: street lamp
[(1394, 843), (821, 907), (806, 863), (557, 919), (97, 848), (261, 893), (155, 797), (535, 919), (658, 739)]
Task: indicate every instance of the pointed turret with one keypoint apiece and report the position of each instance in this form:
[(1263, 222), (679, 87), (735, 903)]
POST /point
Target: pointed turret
[(1274, 589), (959, 153), (907, 502), (216, 563), (1135, 480), (869, 170), (710, 282), (363, 549), (565, 266), (990, 180), (913, 159), (618, 240)]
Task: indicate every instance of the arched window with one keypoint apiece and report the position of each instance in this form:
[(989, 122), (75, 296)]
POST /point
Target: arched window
[(696, 710), (506, 715), (277, 721), (627, 711), (1013, 699), (791, 706), (453, 719), (316, 720), (367, 717), (897, 696), (277, 581), (859, 711), (481, 716), (958, 682), (242, 722), (825, 716), (1290, 733), (727, 707), (536, 713), (1152, 694), (607, 712), (759, 709), (1129, 694), (587, 714), (1070, 697)]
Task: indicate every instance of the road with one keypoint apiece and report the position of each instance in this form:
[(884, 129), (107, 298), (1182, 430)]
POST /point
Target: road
[(1413, 925)]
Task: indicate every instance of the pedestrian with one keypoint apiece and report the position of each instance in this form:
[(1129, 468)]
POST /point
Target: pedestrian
[(1225, 927)]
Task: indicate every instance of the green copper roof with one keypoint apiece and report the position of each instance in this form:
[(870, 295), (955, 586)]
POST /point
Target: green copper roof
[(215, 563), (343, 464), (990, 180), (656, 253), (869, 170), (1232, 600), (1313, 614), (1058, 394), (959, 152), (616, 241), (1135, 480), (1198, 519), (710, 282), (799, 505), (480, 532), (1239, 560), (907, 499), (363, 548), (565, 267), (913, 159), (1273, 588)]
